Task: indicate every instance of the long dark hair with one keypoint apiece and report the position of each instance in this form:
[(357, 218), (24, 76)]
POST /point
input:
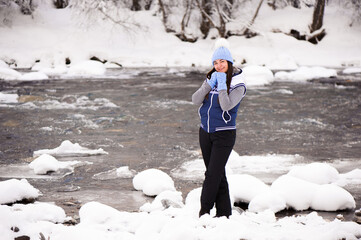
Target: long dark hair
[(229, 76)]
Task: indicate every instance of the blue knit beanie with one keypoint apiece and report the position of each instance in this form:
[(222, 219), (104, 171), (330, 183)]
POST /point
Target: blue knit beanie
[(222, 53)]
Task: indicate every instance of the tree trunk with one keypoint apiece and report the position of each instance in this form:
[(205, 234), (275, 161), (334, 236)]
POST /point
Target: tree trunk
[(136, 6), (205, 24), (222, 28), (317, 20)]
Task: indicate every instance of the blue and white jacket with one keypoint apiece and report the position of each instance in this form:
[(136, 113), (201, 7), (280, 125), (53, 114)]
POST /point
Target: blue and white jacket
[(213, 118)]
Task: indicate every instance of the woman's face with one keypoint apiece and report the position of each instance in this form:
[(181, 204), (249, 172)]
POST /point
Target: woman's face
[(221, 65)]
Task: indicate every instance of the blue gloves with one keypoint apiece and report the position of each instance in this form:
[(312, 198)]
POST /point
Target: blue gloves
[(221, 81), (213, 81)]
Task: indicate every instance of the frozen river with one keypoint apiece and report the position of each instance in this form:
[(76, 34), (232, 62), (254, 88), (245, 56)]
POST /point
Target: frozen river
[(145, 119)]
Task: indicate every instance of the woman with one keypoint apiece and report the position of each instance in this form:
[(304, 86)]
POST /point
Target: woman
[(219, 96)]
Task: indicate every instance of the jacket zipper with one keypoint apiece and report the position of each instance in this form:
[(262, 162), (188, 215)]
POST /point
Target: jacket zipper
[(209, 109)]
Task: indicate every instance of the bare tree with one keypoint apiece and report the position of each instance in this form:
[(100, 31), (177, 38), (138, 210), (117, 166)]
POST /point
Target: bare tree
[(209, 21), (185, 20), (206, 8)]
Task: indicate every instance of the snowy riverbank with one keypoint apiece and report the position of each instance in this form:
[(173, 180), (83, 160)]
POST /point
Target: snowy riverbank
[(54, 36)]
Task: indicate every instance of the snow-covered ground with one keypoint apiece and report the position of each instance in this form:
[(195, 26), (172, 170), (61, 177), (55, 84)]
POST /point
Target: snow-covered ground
[(316, 186)]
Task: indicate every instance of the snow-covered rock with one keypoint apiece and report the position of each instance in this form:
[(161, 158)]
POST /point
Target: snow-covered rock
[(14, 190), (301, 195), (267, 200), (244, 187), (46, 163), (320, 173), (164, 200), (153, 181)]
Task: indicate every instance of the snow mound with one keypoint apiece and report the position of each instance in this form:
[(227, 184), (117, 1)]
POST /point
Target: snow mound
[(301, 195), (87, 68), (14, 190), (257, 75), (244, 187), (153, 181), (267, 200), (305, 73), (320, 173), (68, 148), (95, 212), (40, 211), (46, 163), (164, 200)]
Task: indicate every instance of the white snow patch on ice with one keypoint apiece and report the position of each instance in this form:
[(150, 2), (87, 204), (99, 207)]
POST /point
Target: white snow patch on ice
[(305, 73), (67, 149), (8, 98), (352, 70)]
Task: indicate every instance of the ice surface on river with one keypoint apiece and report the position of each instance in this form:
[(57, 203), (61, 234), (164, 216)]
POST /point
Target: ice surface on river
[(121, 172), (270, 163)]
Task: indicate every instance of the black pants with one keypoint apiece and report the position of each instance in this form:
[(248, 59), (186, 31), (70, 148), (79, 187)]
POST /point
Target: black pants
[(216, 148)]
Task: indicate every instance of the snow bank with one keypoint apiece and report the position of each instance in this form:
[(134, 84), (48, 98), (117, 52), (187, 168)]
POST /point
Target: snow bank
[(32, 76), (46, 163), (68, 149), (86, 68), (14, 190), (305, 73), (152, 182), (7, 73)]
